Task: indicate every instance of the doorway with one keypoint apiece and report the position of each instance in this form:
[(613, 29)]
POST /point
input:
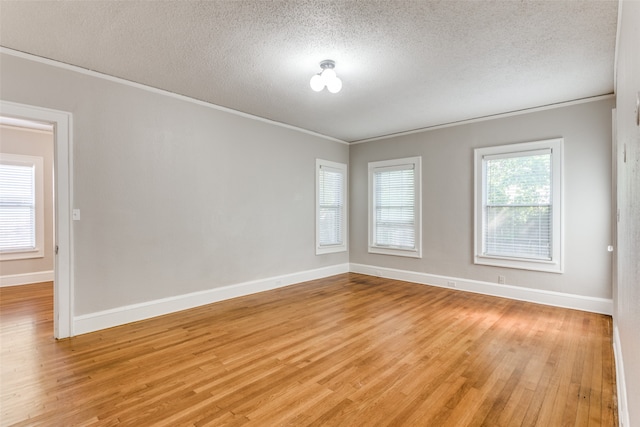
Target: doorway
[(62, 190), (26, 237)]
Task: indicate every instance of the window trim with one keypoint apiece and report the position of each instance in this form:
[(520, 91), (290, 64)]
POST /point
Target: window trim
[(38, 163), (556, 264), (384, 250), (342, 247)]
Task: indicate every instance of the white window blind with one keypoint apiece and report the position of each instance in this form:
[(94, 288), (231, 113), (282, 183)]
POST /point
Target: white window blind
[(331, 221), (518, 209), (331, 206), (395, 207), (17, 207)]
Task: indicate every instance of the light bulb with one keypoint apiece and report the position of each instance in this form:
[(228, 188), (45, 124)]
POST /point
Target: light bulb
[(327, 75), (317, 83), (334, 85)]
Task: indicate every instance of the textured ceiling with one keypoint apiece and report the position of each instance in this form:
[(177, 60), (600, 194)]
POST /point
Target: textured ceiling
[(405, 65)]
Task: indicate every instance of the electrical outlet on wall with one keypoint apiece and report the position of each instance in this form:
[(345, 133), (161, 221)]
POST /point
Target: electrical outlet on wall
[(501, 279), (451, 284)]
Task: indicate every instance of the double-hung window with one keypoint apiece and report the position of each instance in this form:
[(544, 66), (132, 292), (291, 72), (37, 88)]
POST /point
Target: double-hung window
[(395, 207), (518, 205), (21, 207), (331, 207)]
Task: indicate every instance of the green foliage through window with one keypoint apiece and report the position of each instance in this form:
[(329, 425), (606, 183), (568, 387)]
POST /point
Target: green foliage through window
[(518, 208)]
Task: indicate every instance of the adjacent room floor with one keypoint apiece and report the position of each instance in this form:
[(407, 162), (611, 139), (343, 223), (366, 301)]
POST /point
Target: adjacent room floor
[(349, 350)]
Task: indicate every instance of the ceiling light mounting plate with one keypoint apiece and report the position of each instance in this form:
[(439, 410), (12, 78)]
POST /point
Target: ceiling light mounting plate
[(328, 64)]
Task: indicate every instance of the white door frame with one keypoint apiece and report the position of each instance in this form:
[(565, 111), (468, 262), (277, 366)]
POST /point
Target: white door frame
[(63, 284)]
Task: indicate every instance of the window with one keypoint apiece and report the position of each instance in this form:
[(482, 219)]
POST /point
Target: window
[(395, 215), (331, 211), (518, 205), (21, 207)]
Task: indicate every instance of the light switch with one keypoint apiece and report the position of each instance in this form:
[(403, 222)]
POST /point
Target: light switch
[(76, 214)]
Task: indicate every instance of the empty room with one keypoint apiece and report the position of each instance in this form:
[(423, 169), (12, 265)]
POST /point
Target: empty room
[(306, 213)]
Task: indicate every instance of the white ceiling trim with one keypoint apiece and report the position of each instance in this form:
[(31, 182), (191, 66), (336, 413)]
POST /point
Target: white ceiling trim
[(92, 73), (492, 117)]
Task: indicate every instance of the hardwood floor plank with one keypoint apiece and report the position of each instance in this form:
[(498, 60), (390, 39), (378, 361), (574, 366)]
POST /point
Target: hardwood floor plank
[(349, 350)]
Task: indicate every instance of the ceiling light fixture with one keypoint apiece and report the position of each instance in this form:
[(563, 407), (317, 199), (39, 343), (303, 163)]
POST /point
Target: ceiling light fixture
[(327, 77)]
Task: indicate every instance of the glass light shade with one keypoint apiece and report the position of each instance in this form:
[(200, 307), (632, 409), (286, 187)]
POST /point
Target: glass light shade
[(327, 75), (317, 83), (334, 85)]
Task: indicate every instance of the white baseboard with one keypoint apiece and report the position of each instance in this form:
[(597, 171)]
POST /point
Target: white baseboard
[(27, 278), (132, 313), (623, 409), (558, 299)]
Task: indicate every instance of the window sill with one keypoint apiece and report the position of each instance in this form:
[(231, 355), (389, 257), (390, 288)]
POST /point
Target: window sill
[(330, 249), (410, 253), (520, 263), (18, 255)]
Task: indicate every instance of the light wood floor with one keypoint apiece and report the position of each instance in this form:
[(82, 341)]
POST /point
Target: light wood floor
[(350, 350)]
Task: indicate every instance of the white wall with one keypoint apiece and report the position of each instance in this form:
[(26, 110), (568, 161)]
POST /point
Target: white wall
[(627, 295), (447, 191), (175, 197), (14, 140)]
